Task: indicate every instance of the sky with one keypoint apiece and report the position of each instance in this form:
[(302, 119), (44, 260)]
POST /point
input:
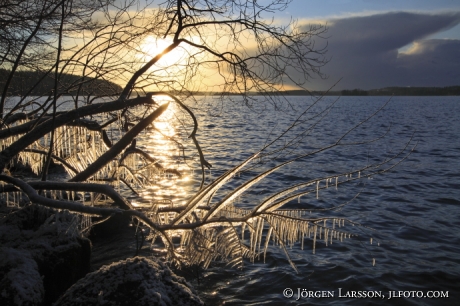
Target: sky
[(376, 44)]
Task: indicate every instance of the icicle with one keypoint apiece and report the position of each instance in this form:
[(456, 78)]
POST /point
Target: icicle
[(57, 142), (373, 262), (61, 142), (67, 141), (260, 233), (336, 181), (303, 237), (118, 180), (314, 239), (251, 235), (359, 174), (243, 227), (93, 144), (82, 139), (317, 189), (298, 199), (371, 240)]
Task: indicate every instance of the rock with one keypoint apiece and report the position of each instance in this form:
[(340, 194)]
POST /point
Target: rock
[(52, 241), (20, 282), (63, 266), (136, 281)]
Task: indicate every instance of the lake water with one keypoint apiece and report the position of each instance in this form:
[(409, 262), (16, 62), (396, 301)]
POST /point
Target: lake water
[(412, 212)]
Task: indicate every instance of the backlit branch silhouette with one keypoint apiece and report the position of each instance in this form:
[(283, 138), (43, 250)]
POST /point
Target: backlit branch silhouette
[(122, 69)]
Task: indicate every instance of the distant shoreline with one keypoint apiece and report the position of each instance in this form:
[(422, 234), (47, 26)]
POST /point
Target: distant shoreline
[(388, 91), (88, 86)]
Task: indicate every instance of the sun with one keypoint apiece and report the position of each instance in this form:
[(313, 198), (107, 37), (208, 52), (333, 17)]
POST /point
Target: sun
[(153, 46), (176, 67)]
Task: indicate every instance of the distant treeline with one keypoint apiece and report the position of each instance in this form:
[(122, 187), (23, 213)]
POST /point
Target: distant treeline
[(388, 91), (354, 92), (417, 91), (405, 91), (38, 83)]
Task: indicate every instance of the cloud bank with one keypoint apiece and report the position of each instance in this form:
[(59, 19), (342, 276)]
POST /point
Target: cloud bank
[(363, 51)]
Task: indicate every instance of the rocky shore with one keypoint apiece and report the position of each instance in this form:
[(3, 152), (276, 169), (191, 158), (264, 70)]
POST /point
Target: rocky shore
[(45, 261)]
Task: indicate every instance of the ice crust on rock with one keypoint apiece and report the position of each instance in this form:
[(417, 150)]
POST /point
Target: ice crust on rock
[(135, 281), (41, 255), (21, 284)]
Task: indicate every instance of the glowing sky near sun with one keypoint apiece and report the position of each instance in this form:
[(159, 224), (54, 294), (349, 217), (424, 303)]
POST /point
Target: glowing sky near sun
[(375, 44)]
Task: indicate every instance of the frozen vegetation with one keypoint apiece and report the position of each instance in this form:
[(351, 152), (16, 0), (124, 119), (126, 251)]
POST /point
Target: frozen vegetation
[(161, 56)]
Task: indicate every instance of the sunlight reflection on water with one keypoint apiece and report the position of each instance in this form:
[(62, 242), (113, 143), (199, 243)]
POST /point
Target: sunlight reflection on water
[(167, 141)]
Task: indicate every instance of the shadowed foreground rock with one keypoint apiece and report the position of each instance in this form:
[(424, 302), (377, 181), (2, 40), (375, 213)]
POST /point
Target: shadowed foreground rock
[(41, 255), (136, 281), (20, 282)]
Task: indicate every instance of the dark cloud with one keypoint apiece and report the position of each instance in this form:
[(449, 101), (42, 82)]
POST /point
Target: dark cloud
[(364, 51)]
